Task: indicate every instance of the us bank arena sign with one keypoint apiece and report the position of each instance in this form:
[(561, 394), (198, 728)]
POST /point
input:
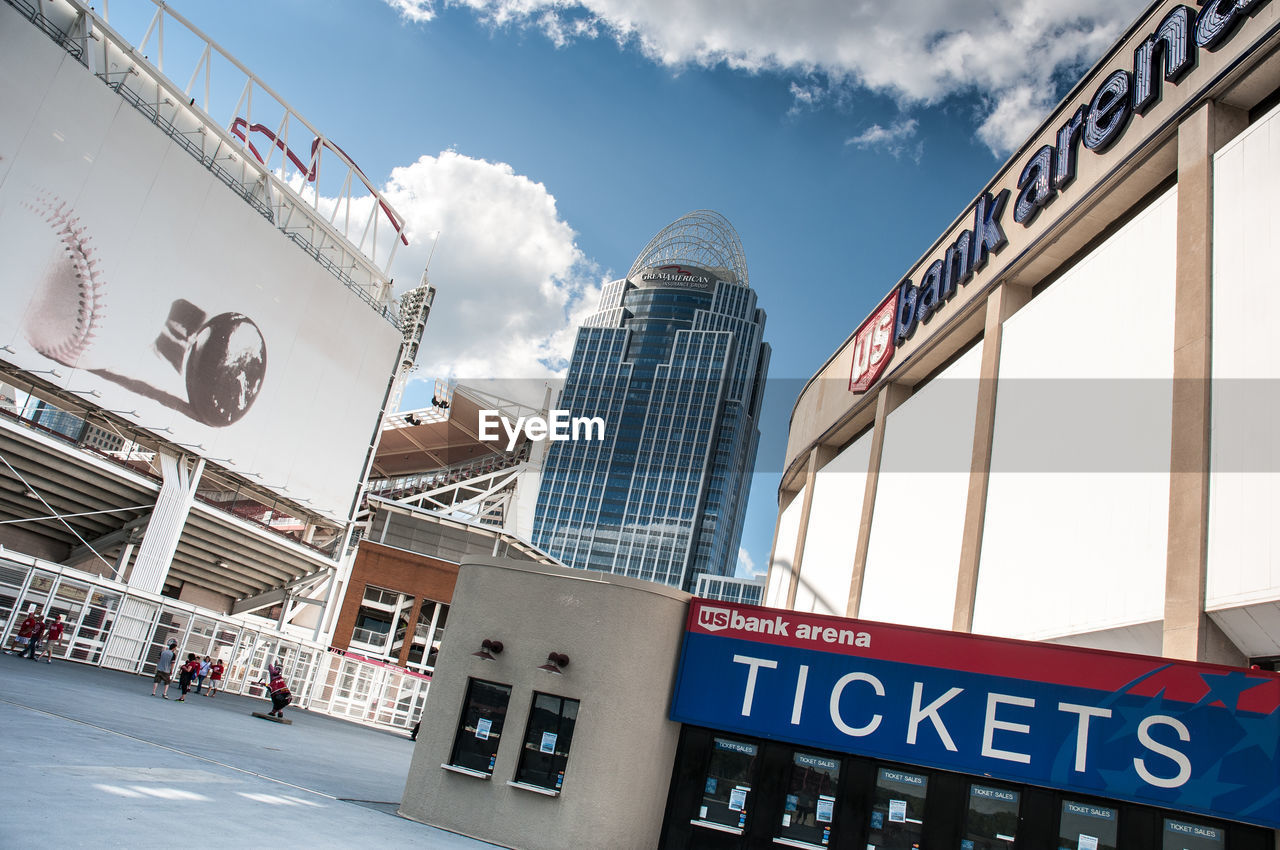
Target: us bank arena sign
[(1168, 54), (1180, 735)]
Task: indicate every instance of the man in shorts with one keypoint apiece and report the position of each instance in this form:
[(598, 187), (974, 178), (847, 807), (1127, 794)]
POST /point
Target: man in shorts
[(23, 636), (52, 638), (164, 668)]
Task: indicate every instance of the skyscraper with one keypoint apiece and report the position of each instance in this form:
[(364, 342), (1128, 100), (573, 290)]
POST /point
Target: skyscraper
[(674, 364)]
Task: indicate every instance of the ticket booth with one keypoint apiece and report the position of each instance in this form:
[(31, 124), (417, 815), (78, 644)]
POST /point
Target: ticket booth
[(818, 732)]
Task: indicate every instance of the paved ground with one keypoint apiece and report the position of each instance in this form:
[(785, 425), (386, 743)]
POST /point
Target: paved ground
[(90, 759)]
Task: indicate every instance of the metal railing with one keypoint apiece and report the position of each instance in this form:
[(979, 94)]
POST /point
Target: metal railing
[(114, 626)]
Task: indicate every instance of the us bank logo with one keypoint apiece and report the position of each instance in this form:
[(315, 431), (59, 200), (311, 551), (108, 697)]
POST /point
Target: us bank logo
[(873, 345), (713, 619)]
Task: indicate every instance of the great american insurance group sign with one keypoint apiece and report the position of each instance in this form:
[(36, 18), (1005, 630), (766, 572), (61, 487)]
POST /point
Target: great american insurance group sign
[(1180, 735), (1168, 55)]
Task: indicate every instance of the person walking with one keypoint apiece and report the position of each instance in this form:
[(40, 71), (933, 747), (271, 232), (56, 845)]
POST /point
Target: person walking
[(215, 676), (164, 668), (52, 637), (33, 641), (205, 666), (186, 674), (23, 637)]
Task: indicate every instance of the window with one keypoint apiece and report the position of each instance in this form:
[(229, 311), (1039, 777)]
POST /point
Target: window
[(547, 740), (992, 820), (727, 788), (811, 799), (1180, 835), (480, 729), (1085, 826), (897, 810)]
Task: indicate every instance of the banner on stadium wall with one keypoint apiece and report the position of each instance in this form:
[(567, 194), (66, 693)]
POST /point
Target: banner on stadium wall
[(136, 280), (1194, 737)]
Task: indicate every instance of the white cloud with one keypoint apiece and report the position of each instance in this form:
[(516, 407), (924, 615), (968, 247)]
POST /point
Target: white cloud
[(512, 284), (747, 565), (917, 51), (897, 139)]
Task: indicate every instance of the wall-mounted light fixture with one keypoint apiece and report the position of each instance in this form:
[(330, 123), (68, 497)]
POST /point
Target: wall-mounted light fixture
[(556, 662), (488, 649)]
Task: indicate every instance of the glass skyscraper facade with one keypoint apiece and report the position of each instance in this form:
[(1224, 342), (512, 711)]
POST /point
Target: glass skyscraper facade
[(674, 364)]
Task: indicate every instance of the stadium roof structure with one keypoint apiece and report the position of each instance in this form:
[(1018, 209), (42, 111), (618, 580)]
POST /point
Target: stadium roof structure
[(434, 438), (702, 238)]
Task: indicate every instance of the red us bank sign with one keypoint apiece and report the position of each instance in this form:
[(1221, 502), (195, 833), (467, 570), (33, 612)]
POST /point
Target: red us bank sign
[(873, 345)]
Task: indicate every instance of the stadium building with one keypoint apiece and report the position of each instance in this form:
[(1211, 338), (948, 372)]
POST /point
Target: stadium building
[(179, 318), (1023, 590)]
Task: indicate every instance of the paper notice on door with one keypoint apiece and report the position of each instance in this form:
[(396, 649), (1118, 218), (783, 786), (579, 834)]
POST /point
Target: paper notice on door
[(1087, 842), (898, 812)]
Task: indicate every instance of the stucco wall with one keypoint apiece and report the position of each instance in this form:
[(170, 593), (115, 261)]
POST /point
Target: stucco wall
[(623, 638)]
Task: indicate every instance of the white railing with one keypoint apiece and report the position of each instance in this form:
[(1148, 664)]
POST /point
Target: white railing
[(278, 161), (111, 625)]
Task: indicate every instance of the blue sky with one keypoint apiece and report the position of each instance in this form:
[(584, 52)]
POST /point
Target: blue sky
[(546, 141)]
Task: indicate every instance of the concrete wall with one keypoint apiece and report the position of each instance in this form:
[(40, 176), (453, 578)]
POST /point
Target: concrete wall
[(918, 523), (1078, 497), (623, 638)]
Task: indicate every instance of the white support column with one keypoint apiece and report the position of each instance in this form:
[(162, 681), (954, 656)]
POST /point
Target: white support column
[(155, 555)]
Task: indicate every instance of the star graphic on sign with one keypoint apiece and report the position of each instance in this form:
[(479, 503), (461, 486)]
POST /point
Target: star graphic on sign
[(1226, 688)]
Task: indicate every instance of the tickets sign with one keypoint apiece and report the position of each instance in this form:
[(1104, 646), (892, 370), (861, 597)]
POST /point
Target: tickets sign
[(1181, 735)]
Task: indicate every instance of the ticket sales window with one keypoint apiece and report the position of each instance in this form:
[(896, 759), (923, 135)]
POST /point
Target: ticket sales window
[(991, 822), (726, 792), (546, 741), (1181, 835), (475, 747), (812, 788), (1085, 826), (897, 810)]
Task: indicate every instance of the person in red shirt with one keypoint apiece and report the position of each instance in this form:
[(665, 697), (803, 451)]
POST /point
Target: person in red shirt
[(23, 637), (280, 695), (53, 636), (215, 676), (33, 642)]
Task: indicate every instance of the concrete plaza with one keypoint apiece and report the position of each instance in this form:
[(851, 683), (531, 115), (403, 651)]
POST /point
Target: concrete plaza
[(91, 759)]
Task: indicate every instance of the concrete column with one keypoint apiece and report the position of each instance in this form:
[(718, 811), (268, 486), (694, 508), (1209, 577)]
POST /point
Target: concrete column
[(1188, 634), (819, 456), (785, 498), (891, 395), (1005, 300), (155, 555)]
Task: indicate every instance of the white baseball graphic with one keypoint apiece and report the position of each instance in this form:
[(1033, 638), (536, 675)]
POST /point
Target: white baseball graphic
[(66, 308)]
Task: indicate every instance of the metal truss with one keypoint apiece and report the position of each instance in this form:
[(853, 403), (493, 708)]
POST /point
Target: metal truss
[(293, 174), (484, 499), (703, 238)]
